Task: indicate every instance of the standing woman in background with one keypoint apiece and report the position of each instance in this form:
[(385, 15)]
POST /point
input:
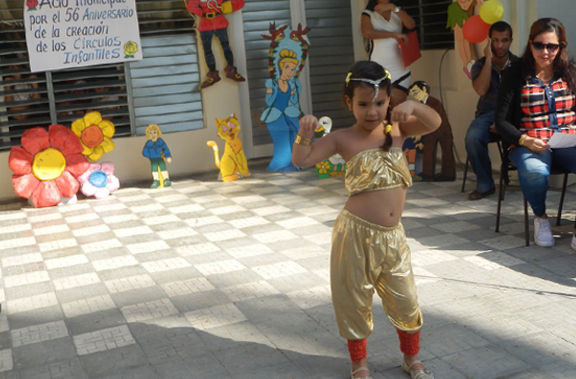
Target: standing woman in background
[(382, 24), (537, 100)]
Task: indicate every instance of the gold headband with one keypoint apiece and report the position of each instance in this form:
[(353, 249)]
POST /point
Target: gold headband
[(375, 83)]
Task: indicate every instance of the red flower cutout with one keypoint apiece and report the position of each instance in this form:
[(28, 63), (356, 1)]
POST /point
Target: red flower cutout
[(47, 165), (31, 4)]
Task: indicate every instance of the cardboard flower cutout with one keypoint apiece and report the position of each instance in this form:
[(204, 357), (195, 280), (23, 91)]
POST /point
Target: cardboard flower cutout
[(47, 165), (335, 165), (95, 134), (99, 180)]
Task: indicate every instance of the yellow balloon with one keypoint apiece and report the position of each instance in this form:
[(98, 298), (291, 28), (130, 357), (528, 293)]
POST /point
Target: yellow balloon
[(491, 11)]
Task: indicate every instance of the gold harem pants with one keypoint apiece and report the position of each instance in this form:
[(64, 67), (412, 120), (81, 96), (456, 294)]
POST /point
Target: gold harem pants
[(367, 257)]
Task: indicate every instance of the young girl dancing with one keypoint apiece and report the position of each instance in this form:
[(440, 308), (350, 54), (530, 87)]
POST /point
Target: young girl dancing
[(369, 250)]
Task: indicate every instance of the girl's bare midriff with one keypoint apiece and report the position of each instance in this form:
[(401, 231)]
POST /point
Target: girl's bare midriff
[(383, 207)]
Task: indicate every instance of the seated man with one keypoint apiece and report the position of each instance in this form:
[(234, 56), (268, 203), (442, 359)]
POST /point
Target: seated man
[(486, 78), (420, 91)]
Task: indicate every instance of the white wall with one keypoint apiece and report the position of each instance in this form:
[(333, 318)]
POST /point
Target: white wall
[(563, 10)]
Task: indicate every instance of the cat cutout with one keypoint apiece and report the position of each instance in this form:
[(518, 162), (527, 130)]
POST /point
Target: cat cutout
[(233, 164)]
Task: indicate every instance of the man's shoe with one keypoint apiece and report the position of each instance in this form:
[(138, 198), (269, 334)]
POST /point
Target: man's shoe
[(543, 233), (480, 195), (232, 73), (155, 184), (573, 243), (167, 183), (212, 78), (443, 178)]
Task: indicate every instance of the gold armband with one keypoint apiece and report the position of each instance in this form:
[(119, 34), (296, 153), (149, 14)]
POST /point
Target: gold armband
[(304, 141), (522, 139)]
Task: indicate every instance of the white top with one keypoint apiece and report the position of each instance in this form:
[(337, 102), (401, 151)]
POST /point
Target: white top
[(386, 50)]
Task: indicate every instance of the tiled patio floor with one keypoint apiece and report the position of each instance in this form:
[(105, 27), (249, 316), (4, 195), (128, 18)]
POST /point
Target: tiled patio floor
[(230, 280)]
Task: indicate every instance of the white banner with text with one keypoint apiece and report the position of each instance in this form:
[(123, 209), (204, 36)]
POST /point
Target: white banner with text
[(74, 33)]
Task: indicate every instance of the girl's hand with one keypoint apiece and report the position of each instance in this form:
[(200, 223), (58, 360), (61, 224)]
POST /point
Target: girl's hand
[(402, 111), (308, 124)]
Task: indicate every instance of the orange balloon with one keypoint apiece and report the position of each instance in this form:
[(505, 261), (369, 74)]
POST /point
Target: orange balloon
[(475, 30)]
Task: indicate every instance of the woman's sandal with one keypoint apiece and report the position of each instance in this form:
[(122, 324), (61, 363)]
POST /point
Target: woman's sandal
[(352, 373), (416, 374)]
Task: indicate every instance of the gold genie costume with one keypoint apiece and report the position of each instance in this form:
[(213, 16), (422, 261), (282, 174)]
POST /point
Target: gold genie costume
[(367, 257)]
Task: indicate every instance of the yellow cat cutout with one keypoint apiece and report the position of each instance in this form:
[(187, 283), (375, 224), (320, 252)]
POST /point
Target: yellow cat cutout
[(233, 164)]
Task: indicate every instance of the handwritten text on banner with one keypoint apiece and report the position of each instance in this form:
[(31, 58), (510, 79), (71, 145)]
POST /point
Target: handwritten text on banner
[(73, 33)]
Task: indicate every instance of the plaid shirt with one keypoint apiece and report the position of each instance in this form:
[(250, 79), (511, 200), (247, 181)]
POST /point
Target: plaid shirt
[(547, 109)]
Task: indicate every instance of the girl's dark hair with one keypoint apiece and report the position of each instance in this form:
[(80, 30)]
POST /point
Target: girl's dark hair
[(371, 71), (564, 65)]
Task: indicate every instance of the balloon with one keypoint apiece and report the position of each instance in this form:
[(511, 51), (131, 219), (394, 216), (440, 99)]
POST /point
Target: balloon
[(475, 30), (491, 11)]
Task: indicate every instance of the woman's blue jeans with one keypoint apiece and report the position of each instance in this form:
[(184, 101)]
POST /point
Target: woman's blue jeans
[(534, 170)]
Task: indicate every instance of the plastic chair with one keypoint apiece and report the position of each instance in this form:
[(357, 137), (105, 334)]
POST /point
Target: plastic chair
[(508, 166)]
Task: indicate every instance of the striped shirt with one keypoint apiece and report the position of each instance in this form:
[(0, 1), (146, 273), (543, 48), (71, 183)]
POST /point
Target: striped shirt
[(547, 109)]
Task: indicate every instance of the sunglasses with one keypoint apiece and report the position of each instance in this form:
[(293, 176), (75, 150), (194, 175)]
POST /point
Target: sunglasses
[(551, 47)]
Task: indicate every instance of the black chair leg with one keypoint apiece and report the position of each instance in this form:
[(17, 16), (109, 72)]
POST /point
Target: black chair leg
[(465, 174), (559, 215), (501, 189), (526, 224)]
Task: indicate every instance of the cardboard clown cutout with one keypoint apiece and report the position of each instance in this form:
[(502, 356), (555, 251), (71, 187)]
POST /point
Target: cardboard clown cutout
[(286, 59), (211, 22), (420, 91)]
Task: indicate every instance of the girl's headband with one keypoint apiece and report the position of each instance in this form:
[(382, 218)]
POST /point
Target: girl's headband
[(375, 83)]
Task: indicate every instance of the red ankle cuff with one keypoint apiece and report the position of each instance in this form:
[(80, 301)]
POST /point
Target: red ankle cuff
[(357, 349), (409, 342)]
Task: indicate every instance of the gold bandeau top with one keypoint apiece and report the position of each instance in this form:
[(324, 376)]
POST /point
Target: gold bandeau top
[(376, 169)]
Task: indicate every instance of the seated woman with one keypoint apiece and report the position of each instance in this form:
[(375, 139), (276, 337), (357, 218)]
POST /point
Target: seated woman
[(536, 100)]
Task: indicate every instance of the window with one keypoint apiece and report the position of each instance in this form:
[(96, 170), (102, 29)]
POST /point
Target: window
[(430, 17), (161, 89)]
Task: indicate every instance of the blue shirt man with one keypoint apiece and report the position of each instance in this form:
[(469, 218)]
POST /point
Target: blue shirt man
[(486, 79)]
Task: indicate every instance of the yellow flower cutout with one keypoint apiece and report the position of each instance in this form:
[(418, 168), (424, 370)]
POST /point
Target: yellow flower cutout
[(95, 134), (130, 48), (324, 167)]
